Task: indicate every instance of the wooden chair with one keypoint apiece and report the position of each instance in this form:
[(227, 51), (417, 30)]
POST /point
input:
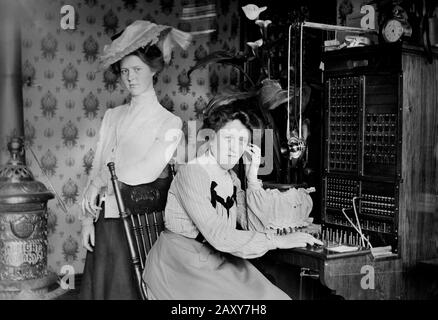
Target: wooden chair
[(142, 223)]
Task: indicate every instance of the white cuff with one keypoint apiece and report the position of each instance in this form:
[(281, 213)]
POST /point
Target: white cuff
[(272, 240)]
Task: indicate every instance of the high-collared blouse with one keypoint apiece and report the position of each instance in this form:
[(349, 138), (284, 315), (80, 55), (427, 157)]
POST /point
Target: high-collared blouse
[(140, 138), (205, 198)]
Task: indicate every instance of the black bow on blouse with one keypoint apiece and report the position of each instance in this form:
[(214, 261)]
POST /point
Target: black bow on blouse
[(228, 203)]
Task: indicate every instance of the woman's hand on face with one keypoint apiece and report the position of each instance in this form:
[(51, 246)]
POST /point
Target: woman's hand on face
[(253, 158), (296, 240), (88, 236), (89, 201)]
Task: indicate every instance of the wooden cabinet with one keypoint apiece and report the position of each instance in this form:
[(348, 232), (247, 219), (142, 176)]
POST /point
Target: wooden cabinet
[(381, 147)]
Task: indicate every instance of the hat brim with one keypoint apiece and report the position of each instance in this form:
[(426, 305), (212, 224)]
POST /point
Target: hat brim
[(112, 53)]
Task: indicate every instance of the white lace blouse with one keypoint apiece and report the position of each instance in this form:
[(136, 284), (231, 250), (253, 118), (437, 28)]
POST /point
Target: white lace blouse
[(140, 138)]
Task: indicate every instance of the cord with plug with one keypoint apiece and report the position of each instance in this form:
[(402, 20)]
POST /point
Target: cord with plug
[(358, 227)]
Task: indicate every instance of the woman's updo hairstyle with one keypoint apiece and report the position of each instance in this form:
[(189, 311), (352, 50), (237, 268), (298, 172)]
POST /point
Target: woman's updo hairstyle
[(236, 110), (150, 55)]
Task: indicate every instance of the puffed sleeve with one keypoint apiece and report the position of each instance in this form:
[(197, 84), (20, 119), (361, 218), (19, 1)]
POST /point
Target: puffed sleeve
[(275, 209), (170, 135), (193, 184)]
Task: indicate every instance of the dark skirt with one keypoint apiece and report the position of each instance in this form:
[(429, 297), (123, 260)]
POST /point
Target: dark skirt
[(108, 272)]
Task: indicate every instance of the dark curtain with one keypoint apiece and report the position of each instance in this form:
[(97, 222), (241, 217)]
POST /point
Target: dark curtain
[(11, 97)]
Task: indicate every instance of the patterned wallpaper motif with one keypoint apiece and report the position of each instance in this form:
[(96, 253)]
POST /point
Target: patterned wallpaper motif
[(65, 96)]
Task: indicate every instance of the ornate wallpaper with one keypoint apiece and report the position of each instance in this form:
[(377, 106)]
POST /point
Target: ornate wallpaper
[(65, 96)]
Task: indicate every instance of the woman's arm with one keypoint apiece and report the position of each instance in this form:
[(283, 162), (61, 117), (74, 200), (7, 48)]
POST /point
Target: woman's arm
[(259, 209), (245, 220), (264, 209), (275, 209), (96, 178)]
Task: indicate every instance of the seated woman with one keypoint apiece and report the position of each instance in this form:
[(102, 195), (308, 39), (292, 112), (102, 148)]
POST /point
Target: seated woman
[(202, 253)]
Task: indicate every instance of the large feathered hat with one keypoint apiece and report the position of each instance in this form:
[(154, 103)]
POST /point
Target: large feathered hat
[(143, 33)]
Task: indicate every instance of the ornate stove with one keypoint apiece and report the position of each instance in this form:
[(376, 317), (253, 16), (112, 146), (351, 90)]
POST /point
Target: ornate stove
[(23, 230)]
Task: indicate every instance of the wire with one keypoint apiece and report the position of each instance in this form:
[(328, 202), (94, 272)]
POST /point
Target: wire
[(357, 218), (358, 231), (288, 86), (301, 82)]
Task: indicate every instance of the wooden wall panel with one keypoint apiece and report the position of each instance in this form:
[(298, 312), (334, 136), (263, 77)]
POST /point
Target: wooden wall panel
[(419, 189)]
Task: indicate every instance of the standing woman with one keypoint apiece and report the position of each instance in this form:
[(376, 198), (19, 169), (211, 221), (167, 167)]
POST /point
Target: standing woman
[(140, 138)]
